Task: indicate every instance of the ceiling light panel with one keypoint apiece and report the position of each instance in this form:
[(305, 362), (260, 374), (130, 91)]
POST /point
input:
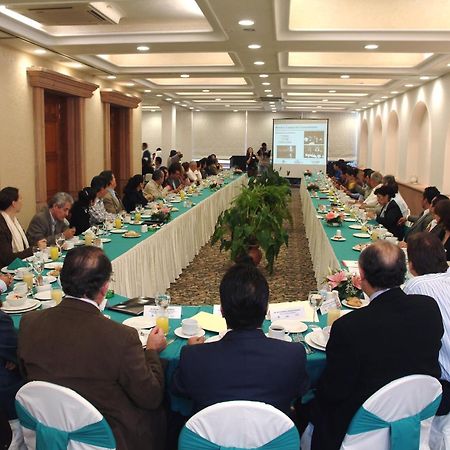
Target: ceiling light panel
[(327, 94), (213, 93), (229, 81), (338, 81)]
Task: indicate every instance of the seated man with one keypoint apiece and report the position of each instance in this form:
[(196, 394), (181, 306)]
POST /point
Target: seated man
[(174, 182), (52, 220), (76, 346), (112, 203), (244, 364), (374, 345), (153, 190), (375, 181), (427, 262)]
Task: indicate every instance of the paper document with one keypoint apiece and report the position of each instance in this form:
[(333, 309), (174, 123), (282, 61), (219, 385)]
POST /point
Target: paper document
[(301, 310), (173, 312), (210, 322)]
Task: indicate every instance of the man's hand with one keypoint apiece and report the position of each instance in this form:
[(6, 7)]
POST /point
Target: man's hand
[(156, 340), (401, 221), (195, 340), (69, 233), (8, 279)]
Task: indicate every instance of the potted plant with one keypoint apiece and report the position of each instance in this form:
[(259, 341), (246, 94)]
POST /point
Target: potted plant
[(256, 218)]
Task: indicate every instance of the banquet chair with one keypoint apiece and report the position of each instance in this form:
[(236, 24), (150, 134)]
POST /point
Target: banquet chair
[(440, 433), (55, 417), (396, 417), (239, 425)]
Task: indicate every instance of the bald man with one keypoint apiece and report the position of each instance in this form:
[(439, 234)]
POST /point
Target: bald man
[(373, 346)]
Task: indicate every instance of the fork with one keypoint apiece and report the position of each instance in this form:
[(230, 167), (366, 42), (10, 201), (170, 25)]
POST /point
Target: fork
[(301, 338)]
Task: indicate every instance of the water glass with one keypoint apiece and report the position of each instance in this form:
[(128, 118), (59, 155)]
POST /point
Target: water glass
[(315, 300)]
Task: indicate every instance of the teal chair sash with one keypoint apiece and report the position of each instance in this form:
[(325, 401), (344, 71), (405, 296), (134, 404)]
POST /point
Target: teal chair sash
[(189, 440), (404, 433), (98, 434)]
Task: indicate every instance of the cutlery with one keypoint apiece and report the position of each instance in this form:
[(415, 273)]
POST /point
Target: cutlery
[(301, 338)]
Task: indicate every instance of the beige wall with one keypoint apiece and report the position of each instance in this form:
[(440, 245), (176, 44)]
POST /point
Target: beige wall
[(16, 126)]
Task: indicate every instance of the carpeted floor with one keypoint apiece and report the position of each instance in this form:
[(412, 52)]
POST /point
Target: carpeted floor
[(292, 279)]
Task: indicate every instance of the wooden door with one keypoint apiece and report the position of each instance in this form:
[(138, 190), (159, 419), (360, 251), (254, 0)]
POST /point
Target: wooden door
[(119, 144), (56, 143)]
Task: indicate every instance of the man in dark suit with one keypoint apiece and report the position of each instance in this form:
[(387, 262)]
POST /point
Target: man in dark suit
[(52, 220), (375, 345), (76, 346), (244, 364)]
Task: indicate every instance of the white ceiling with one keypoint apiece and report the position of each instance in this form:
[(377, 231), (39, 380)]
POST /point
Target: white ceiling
[(196, 46)]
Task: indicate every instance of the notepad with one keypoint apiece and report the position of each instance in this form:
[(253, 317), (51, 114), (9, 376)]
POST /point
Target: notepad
[(210, 322)]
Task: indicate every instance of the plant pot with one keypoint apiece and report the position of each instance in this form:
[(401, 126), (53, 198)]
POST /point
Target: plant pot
[(255, 253)]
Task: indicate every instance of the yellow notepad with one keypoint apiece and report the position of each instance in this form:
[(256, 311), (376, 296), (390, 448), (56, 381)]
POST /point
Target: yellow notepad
[(210, 322)]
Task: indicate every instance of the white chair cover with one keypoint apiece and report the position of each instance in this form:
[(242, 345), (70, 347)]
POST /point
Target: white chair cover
[(401, 398), (440, 433), (242, 424), (58, 407), (17, 442)]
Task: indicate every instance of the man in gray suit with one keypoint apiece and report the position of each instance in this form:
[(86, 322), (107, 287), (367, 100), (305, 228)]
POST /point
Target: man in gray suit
[(52, 220), (112, 203)]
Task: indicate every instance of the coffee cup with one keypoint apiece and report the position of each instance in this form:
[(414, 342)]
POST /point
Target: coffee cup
[(13, 300), (21, 271), (189, 327), (338, 234), (144, 228), (277, 332), (43, 288)]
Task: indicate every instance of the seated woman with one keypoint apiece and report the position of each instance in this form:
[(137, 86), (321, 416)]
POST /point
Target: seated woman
[(390, 213), (442, 214), (13, 242), (133, 194), (79, 214)]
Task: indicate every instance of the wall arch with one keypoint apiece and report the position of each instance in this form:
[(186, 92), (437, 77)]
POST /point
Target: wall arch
[(446, 178), (377, 145), (391, 149), (363, 144), (419, 145)]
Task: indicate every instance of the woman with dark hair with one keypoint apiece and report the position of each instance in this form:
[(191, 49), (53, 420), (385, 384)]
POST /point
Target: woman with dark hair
[(79, 214), (442, 214), (133, 194), (13, 242), (390, 212), (251, 161)]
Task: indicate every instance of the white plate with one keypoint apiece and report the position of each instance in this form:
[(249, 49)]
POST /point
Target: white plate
[(312, 344), (319, 338), (287, 338), (137, 223), (359, 247), (118, 231), (29, 305), (362, 235), (349, 219), (53, 265), (132, 237), (45, 295), (174, 208), (291, 325), (47, 279), (140, 322), (355, 227), (146, 216), (6, 270), (364, 303), (106, 240), (341, 239), (319, 216), (175, 201), (180, 333)]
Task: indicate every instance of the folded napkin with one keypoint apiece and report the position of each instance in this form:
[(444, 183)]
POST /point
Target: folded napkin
[(17, 264)]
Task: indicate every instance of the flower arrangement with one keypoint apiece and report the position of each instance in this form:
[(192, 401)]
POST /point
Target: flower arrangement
[(334, 219), (347, 284), (312, 187)]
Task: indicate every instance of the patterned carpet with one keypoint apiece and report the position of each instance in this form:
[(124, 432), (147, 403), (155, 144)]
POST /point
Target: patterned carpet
[(292, 279)]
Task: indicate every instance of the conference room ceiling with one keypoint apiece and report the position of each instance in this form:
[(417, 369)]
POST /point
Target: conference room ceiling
[(338, 55)]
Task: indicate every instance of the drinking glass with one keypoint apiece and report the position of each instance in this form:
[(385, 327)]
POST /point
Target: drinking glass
[(21, 289), (54, 253), (162, 319), (59, 241), (315, 300), (27, 278), (38, 263)]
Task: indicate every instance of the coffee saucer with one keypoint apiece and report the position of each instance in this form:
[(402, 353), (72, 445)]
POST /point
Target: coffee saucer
[(179, 333), (338, 239), (287, 338)]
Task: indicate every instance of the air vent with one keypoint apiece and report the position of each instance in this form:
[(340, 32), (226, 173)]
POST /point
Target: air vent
[(270, 99)]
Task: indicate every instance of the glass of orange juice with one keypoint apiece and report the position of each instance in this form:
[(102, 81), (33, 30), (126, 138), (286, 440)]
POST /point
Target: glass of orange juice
[(163, 323), (54, 253), (27, 277), (333, 315), (57, 296), (162, 319), (117, 222)]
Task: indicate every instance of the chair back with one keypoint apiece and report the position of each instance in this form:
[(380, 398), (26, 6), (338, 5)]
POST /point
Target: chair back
[(57, 417), (397, 417), (239, 425)]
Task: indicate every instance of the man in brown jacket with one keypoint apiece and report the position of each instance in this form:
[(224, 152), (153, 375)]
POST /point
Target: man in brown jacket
[(76, 346)]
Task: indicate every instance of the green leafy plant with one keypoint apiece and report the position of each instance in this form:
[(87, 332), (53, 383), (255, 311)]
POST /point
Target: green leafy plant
[(256, 217)]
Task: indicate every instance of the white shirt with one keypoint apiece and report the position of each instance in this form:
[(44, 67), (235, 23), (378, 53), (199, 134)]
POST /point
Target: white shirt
[(437, 286), (372, 201), (3, 287), (402, 205)]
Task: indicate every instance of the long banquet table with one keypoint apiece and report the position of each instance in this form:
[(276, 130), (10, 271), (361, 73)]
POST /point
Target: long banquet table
[(147, 265)]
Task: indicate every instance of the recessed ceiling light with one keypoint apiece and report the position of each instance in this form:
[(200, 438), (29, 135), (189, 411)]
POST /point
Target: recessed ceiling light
[(314, 111), (425, 77), (259, 63), (227, 106), (269, 95), (217, 99), (168, 99), (147, 90), (394, 92), (370, 104), (377, 101), (325, 100), (246, 22), (267, 90), (254, 46), (77, 65), (409, 85), (332, 91), (265, 83), (191, 107), (263, 75), (371, 46), (40, 51), (142, 48), (111, 77), (205, 90), (176, 103), (197, 110), (384, 96), (345, 76), (129, 84), (358, 109), (235, 110), (152, 110), (159, 95), (184, 75), (318, 107)]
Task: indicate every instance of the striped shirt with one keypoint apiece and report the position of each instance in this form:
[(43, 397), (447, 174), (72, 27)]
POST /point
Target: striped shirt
[(437, 286)]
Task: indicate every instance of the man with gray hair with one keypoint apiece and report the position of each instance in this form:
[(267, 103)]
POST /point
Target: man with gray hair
[(52, 220), (375, 181)]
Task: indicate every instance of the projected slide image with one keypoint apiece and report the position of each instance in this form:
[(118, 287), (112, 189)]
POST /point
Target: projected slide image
[(314, 144), (286, 151)]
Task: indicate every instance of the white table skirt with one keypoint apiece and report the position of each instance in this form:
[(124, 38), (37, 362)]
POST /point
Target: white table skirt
[(150, 267), (322, 253)]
